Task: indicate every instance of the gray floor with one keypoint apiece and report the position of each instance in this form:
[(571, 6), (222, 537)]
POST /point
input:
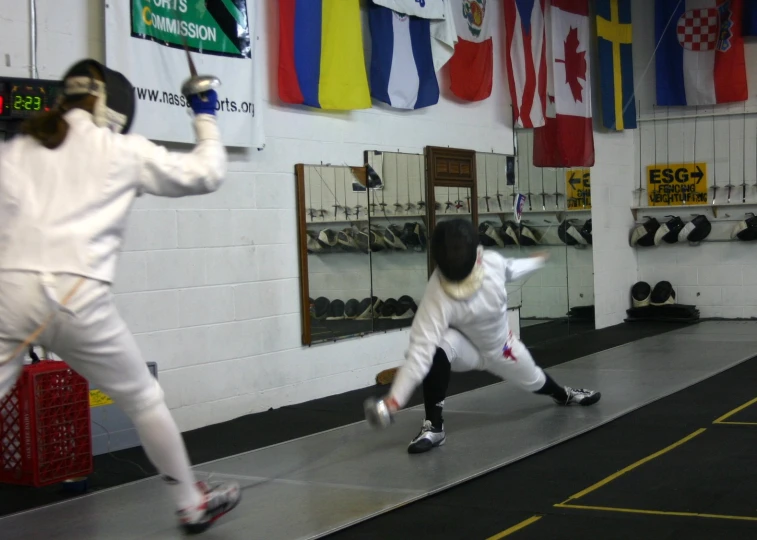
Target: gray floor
[(309, 487)]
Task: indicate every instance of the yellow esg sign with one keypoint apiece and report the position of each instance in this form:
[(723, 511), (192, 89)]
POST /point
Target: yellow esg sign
[(578, 189), (677, 184)]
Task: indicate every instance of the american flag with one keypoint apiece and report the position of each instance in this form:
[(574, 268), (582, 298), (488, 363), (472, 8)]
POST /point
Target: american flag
[(526, 60)]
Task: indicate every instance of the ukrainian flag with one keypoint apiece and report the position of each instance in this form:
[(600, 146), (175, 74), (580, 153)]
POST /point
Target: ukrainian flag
[(616, 64), (321, 62)]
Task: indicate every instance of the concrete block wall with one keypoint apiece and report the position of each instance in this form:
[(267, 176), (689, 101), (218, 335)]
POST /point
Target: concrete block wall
[(716, 277), (209, 285)]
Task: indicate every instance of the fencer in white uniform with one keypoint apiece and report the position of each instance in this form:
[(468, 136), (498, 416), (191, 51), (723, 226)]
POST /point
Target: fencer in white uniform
[(66, 186), (462, 325)]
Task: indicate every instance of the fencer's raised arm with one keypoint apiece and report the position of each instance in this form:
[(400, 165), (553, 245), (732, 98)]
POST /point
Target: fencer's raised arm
[(176, 174), (429, 326), (516, 269)]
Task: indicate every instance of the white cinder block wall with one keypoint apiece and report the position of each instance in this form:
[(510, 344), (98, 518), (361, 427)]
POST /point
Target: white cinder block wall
[(210, 284), (719, 278)]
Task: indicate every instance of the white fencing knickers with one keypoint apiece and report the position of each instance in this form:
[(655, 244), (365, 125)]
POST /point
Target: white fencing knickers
[(515, 363), (90, 336)]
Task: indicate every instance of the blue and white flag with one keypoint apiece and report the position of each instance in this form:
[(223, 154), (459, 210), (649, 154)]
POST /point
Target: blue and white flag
[(520, 201), (402, 64)]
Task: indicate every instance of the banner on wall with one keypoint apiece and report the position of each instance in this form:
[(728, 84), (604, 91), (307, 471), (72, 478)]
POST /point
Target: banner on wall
[(677, 184), (578, 189), (144, 40)]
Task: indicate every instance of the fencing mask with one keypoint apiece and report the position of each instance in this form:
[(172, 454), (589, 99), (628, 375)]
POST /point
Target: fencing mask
[(746, 230), (641, 293), (695, 230), (668, 232), (663, 294), (643, 235), (488, 235), (570, 235), (115, 106), (459, 258)]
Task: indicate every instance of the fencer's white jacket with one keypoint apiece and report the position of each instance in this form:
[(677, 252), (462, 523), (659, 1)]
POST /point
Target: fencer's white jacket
[(65, 210), (482, 318)]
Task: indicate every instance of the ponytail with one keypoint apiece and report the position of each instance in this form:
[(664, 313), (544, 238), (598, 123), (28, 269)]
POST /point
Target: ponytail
[(49, 128)]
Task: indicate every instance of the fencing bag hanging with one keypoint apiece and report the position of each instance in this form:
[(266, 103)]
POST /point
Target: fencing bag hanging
[(643, 235), (641, 294), (669, 231), (488, 235), (586, 231), (115, 105), (695, 230), (663, 294), (746, 230)]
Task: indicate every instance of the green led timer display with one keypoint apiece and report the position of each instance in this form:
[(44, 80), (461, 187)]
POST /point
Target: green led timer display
[(26, 102)]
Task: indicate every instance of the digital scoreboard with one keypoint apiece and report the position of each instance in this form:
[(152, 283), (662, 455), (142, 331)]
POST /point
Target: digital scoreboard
[(21, 98)]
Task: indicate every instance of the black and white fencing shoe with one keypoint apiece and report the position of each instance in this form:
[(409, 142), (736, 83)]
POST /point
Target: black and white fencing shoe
[(429, 437), (579, 396), (217, 501)]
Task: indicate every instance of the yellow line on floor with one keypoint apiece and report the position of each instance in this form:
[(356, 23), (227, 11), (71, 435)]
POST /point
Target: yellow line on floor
[(633, 466), (654, 512), (516, 528), (734, 411), (736, 423)]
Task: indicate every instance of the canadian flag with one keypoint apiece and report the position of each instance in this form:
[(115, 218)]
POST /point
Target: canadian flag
[(567, 138), (471, 66)]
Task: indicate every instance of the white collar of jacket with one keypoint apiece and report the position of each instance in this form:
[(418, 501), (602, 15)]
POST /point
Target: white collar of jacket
[(460, 290)]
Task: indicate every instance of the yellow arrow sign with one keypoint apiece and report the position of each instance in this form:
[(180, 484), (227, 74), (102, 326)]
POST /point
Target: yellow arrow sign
[(578, 189), (677, 184)]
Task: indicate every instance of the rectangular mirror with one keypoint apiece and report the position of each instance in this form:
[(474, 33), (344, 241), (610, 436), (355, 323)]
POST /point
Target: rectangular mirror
[(335, 257), (397, 213)]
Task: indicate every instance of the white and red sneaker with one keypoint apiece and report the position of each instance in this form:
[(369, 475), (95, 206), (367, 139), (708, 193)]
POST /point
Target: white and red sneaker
[(219, 501)]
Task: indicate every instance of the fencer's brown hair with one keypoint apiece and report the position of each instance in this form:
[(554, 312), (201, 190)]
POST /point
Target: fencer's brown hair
[(50, 128)]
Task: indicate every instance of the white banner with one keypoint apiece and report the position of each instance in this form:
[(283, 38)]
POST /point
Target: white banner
[(144, 40)]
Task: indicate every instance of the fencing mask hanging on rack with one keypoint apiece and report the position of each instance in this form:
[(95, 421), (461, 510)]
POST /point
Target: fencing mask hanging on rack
[(746, 230), (115, 105), (695, 230), (643, 235), (668, 232)]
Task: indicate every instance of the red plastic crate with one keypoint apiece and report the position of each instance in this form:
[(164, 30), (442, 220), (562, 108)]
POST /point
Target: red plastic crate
[(45, 427)]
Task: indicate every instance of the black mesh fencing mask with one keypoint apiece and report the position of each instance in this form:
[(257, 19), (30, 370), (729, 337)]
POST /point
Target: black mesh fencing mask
[(455, 250)]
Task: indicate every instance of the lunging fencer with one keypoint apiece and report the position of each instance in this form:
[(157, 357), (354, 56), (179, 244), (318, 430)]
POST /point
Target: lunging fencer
[(461, 325), (67, 183)]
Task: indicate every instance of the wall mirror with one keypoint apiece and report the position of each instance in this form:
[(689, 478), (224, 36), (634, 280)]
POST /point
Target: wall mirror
[(558, 300), (335, 264)]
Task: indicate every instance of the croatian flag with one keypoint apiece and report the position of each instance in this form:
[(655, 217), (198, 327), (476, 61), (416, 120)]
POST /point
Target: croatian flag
[(526, 60), (472, 65), (567, 138), (700, 59), (402, 64)]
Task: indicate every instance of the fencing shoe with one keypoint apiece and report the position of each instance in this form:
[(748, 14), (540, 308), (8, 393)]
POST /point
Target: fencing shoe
[(579, 396), (428, 438), (218, 501)]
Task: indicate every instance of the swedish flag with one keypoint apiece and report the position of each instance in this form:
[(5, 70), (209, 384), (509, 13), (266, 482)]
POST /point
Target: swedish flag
[(616, 64)]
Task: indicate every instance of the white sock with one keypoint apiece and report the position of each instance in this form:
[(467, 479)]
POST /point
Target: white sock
[(165, 448)]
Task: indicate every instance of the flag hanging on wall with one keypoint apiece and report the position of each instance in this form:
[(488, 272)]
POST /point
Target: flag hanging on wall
[(402, 65), (442, 26), (321, 62), (700, 58), (616, 64), (525, 49), (567, 138), (472, 65)]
